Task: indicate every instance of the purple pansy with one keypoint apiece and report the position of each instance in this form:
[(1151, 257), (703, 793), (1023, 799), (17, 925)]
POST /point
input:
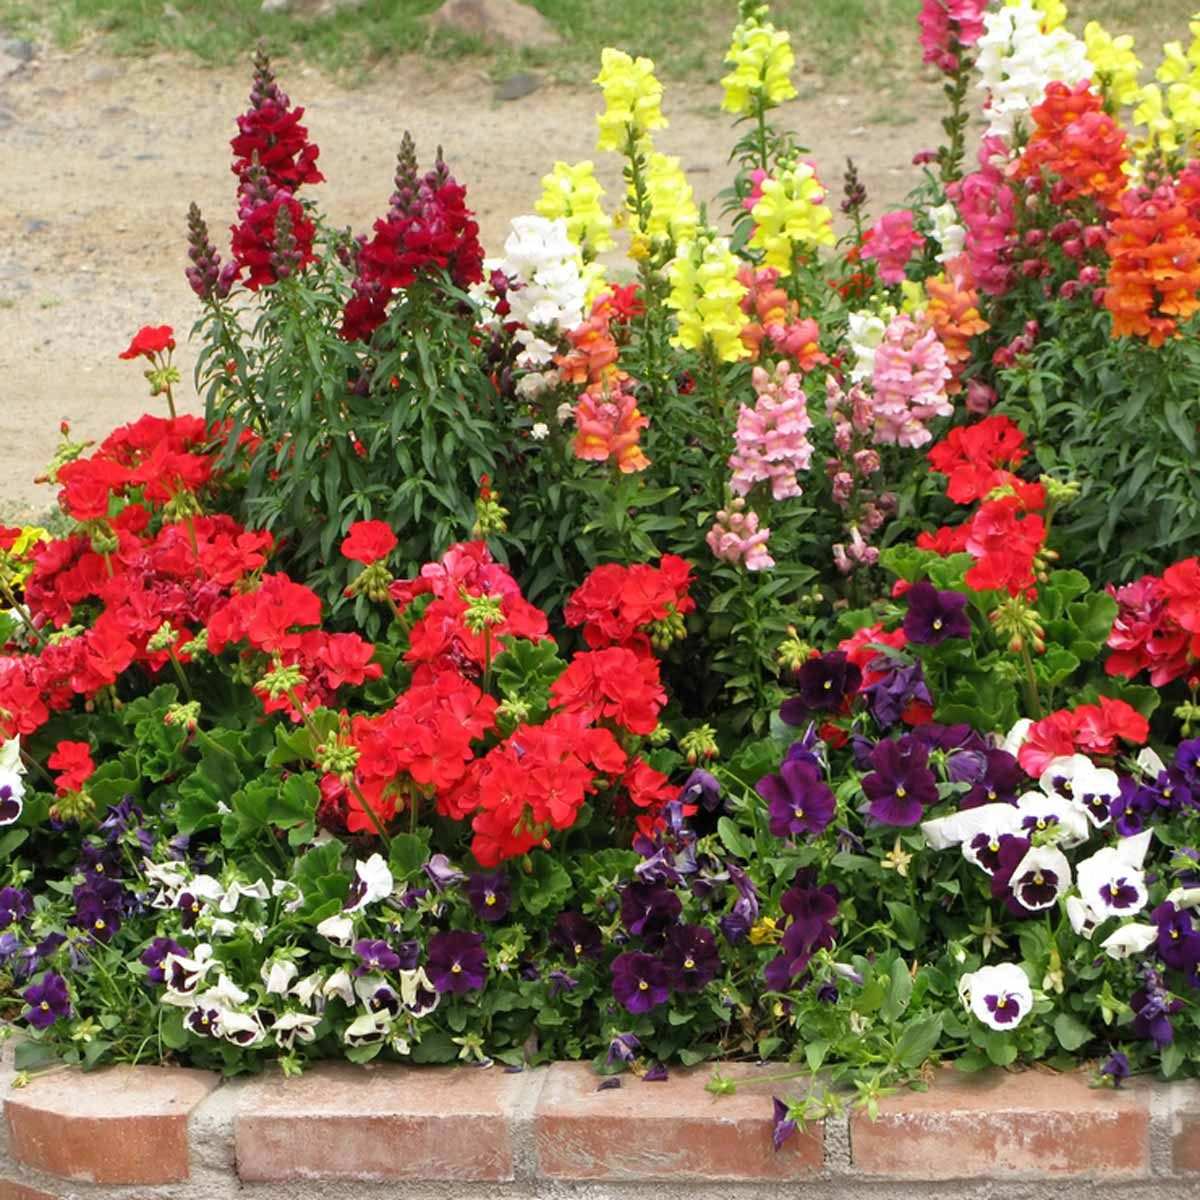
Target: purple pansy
[(442, 873), (894, 687), (490, 895), (933, 616), (648, 910), (375, 955), (901, 785), (154, 955), (798, 798), (782, 1126), (15, 903), (639, 981), (457, 961), (702, 789), (822, 684), (1178, 944), (1152, 1010), (48, 1001), (623, 1048), (576, 937), (737, 923), (1116, 1068), (691, 957)]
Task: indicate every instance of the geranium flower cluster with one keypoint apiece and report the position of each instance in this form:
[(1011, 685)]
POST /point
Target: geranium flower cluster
[(635, 607), (1157, 626)]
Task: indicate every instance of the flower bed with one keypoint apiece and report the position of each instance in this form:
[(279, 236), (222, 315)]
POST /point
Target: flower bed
[(489, 676)]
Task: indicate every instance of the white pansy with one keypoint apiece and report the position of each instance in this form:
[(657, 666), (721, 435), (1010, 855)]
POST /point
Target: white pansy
[(1040, 878), (236, 892), (1065, 821), (224, 994), (943, 832), (182, 975), (285, 887), (170, 879), (277, 974), (11, 762), (372, 881), (308, 989), (240, 1028), (367, 1028), (1111, 882), (1016, 59), (1083, 919), (1016, 736), (1079, 780), (338, 929), (205, 887), (220, 927), (293, 1027), (949, 234), (339, 984), (999, 995), (1130, 939), (417, 993), (1184, 897), (1150, 762)]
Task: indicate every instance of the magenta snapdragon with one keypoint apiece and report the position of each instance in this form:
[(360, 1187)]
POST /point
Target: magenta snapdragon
[(891, 242)]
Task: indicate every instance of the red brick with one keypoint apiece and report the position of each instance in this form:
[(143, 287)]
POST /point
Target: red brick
[(1186, 1132), (122, 1125), (674, 1130), (338, 1121), (998, 1124), (10, 1190)]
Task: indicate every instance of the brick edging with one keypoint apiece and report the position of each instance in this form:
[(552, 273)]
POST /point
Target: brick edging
[(462, 1131)]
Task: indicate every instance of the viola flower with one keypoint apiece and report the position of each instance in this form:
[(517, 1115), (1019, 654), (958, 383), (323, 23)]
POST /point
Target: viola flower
[(1040, 878), (490, 895), (901, 784), (48, 1001), (1132, 808), (1153, 1009), (691, 957), (372, 882), (15, 903), (374, 955), (1130, 939), (737, 923), (1111, 882), (442, 874), (648, 910), (799, 799), (457, 962), (12, 797), (897, 689), (810, 910), (623, 1048), (823, 685), (999, 995), (640, 981), (782, 1126), (933, 615), (149, 341), (1066, 819), (155, 955), (369, 542), (1178, 943), (1116, 1069), (576, 936)]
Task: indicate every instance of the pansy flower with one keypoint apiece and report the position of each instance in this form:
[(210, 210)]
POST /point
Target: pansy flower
[(1064, 820), (999, 995), (576, 937), (1040, 878), (648, 909), (1132, 807), (12, 797), (640, 982), (373, 955), (1111, 882), (798, 798), (933, 616), (822, 684), (48, 1001), (490, 895), (1129, 939), (457, 961), (372, 881), (691, 957), (901, 785), (1177, 941)]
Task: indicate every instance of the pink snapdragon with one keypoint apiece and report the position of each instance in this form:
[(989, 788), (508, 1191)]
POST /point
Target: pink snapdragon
[(771, 441), (987, 207), (910, 378), (943, 41), (891, 242), (736, 538)]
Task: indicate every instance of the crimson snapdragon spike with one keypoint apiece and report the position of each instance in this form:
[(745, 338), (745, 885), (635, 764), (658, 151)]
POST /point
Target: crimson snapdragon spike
[(207, 277)]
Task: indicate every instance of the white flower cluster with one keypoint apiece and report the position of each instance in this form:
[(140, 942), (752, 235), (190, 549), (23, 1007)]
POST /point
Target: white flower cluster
[(1017, 59), (865, 335), (548, 291), (946, 231)]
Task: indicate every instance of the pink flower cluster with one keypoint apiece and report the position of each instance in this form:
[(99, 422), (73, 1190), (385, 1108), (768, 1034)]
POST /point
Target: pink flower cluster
[(771, 441), (891, 242), (947, 28), (987, 207), (736, 538), (910, 378)]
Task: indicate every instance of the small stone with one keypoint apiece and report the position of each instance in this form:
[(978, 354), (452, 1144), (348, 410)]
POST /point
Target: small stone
[(6, 118), (22, 49), (36, 225), (507, 22), (9, 65), (523, 83), (99, 73), (172, 13)]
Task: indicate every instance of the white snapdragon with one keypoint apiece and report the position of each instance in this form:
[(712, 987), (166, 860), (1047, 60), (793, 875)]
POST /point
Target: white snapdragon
[(947, 231), (1016, 59), (865, 334)]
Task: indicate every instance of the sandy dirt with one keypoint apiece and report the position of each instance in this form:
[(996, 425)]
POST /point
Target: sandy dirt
[(99, 159)]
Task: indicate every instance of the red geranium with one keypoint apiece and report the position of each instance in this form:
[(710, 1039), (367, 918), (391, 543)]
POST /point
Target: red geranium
[(615, 685), (149, 341), (369, 541), (73, 762)]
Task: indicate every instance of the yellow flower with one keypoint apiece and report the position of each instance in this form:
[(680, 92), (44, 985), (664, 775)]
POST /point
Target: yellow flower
[(1116, 64), (896, 859), (632, 100), (672, 211), (790, 213), (573, 193), (1054, 12), (764, 932), (1180, 71), (762, 61), (595, 280), (706, 295), (1160, 129), (914, 296)]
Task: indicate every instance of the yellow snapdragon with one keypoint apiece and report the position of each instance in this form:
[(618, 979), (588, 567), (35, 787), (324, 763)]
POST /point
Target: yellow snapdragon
[(1117, 66), (573, 193), (1054, 12), (1160, 129), (1173, 115), (762, 61), (672, 212), (632, 100), (790, 213), (706, 295)]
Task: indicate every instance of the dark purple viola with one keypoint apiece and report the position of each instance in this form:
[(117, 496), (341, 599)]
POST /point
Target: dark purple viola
[(790, 963), (737, 923), (1178, 944), (457, 961), (782, 1126), (98, 909), (205, 1022), (701, 789), (48, 1001), (658, 864), (1001, 782), (1152, 1010), (375, 955), (1116, 1068), (799, 800), (648, 910), (1187, 762), (561, 982), (1009, 857), (490, 895), (933, 615), (691, 957), (655, 1074), (1172, 791), (121, 818), (97, 862), (894, 688), (623, 1048), (901, 785), (822, 685), (810, 910), (15, 904), (1132, 807), (640, 982), (576, 937), (190, 907), (155, 954)]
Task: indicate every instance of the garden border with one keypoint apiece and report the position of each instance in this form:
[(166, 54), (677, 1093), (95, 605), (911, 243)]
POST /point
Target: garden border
[(176, 1134)]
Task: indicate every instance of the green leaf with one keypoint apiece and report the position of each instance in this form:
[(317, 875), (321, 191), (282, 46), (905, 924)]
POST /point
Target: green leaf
[(410, 852), (899, 992), (546, 886), (733, 840), (1071, 1032), (918, 1040), (203, 792)]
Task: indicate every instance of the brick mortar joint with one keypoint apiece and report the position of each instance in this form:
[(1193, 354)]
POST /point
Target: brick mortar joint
[(522, 1122)]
